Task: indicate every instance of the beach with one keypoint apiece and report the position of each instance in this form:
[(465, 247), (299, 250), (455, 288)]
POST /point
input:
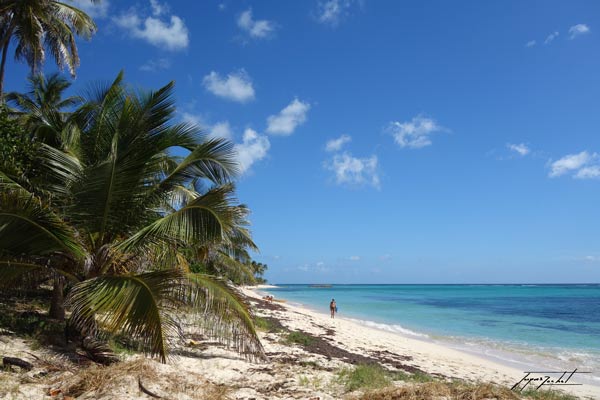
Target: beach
[(199, 368)]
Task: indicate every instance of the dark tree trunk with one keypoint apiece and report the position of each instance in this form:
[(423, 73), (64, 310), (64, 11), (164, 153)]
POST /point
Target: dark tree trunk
[(2, 65), (57, 307), (5, 45)]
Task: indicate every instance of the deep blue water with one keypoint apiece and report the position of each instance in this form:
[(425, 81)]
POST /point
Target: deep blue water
[(557, 325)]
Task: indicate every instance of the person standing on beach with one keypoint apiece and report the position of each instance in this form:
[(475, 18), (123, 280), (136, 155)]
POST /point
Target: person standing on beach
[(333, 308)]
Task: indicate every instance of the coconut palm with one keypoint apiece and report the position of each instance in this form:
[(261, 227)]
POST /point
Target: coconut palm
[(39, 25), (111, 221), (44, 110)]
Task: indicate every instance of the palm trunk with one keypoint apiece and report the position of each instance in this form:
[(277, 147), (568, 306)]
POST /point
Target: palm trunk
[(5, 44), (2, 65), (57, 306)]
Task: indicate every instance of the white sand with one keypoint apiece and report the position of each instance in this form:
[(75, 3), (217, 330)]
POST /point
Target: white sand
[(428, 356), (292, 373)]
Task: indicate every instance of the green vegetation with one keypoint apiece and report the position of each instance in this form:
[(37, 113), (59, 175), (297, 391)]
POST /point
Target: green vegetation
[(364, 376), (113, 219), (547, 395), (265, 324), (298, 337), (17, 151), (36, 25), (412, 377)]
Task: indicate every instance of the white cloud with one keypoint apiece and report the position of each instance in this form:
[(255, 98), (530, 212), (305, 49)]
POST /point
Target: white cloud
[(577, 30), (571, 163), (354, 258), (237, 86), (171, 34), (288, 119), (354, 171), (254, 147), (156, 65), (591, 172), (221, 130), (337, 144), (94, 10), (218, 130), (258, 29), (551, 37), (385, 257), (592, 259), (415, 133), (531, 43), (158, 9), (332, 11), (520, 148)]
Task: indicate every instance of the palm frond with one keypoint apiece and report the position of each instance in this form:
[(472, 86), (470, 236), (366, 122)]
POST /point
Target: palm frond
[(29, 227), (204, 219), (12, 270), (138, 306), (225, 315)]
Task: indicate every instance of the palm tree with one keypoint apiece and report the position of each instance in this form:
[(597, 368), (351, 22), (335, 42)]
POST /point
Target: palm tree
[(37, 25), (111, 221), (43, 110)]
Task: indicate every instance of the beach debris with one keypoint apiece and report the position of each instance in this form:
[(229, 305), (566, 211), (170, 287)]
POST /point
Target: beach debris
[(145, 390), (54, 392), (17, 362)]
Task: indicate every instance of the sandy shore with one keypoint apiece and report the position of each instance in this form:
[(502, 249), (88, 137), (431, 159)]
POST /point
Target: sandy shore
[(202, 369), (427, 356)]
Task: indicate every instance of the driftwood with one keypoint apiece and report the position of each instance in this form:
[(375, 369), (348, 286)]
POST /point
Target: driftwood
[(17, 362), (146, 391)]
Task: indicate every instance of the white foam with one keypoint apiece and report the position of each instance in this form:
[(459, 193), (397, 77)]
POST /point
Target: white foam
[(390, 328)]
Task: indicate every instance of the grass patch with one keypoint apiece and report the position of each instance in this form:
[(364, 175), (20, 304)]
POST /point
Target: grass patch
[(315, 382), (299, 337), (419, 377), (365, 376), (459, 390), (264, 324), (547, 395)]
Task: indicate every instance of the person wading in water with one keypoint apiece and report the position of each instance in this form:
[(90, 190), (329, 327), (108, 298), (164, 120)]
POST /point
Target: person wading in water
[(333, 308)]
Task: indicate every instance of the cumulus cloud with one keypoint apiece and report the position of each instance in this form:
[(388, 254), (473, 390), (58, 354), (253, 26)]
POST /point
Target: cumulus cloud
[(94, 10), (415, 133), (551, 37), (217, 130), (171, 34), (236, 86), (254, 147), (158, 8), (332, 11), (354, 258), (578, 30), (337, 144), (354, 171), (258, 29), (531, 43), (156, 65), (520, 148), (221, 130), (287, 120), (591, 172), (582, 164)]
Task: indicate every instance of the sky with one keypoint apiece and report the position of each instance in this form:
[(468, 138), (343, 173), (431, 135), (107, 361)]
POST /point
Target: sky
[(411, 141)]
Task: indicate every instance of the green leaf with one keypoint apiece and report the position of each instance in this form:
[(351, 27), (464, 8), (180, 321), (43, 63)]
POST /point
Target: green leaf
[(137, 306)]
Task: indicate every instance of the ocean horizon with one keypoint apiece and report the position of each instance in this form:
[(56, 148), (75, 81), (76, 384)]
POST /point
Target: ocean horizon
[(525, 325)]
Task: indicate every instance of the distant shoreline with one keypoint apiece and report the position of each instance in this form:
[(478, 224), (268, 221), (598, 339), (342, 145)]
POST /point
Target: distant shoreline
[(496, 355)]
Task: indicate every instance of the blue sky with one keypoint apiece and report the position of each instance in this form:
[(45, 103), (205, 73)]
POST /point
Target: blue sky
[(387, 141)]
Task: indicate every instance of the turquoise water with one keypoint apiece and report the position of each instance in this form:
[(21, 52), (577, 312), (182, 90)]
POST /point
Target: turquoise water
[(554, 326)]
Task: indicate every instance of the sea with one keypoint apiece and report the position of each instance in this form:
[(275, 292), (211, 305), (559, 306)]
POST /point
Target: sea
[(531, 327)]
